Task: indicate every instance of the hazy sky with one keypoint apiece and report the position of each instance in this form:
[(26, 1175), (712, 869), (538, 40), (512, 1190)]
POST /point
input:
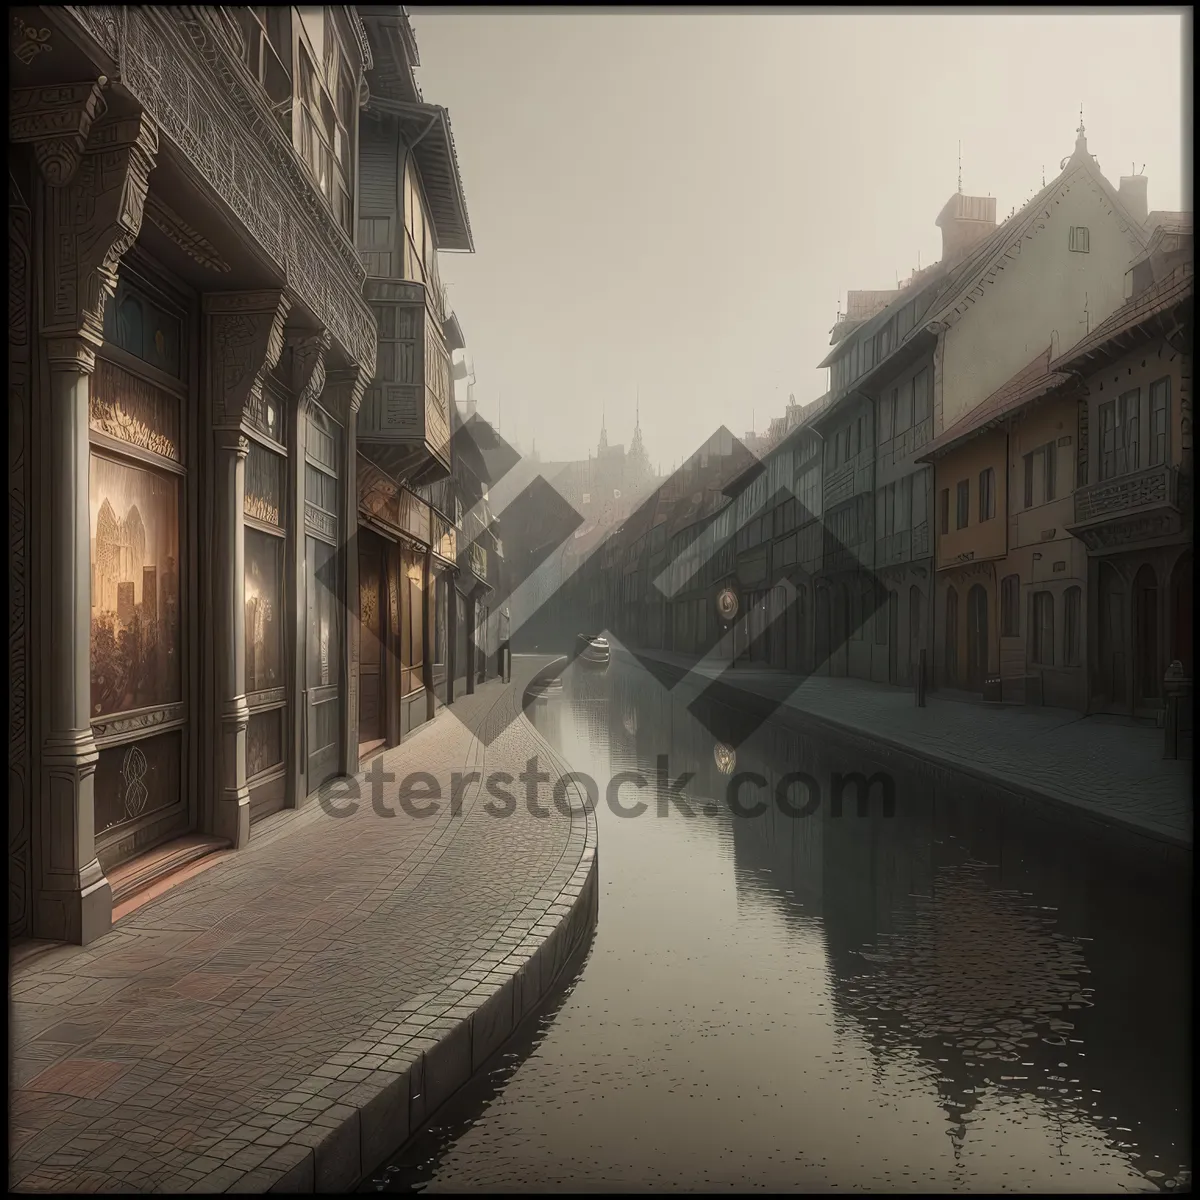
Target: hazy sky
[(677, 201)]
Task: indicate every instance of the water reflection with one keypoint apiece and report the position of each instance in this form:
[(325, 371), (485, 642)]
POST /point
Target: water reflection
[(956, 997)]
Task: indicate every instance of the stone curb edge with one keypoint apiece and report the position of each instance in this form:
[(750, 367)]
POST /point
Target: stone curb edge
[(943, 770), (372, 1120)]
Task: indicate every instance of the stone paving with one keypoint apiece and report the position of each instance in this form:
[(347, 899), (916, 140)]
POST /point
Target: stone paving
[(1108, 768), (283, 1020)]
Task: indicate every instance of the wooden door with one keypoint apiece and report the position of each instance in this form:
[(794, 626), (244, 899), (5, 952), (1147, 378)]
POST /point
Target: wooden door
[(372, 604), (977, 625)]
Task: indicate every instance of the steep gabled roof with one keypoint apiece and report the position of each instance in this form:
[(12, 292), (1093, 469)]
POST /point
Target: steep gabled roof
[(1156, 301), (987, 258), (1028, 385)]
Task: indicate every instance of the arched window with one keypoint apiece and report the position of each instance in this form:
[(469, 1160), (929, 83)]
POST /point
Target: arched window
[(951, 650), (1072, 626)]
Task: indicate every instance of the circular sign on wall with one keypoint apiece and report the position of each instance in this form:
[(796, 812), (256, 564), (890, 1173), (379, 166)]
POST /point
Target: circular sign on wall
[(727, 604), (725, 758)]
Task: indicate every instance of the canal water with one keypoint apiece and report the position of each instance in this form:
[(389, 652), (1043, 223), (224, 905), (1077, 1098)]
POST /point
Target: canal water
[(955, 996)]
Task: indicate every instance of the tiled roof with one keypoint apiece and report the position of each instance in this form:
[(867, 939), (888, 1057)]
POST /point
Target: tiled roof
[(1162, 296), (1027, 385)]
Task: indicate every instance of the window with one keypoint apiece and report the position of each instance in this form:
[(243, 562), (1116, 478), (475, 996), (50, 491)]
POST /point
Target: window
[(1010, 602), (325, 123), (886, 409), (920, 484), (889, 515), (904, 407), (1127, 431), (1072, 613), (1039, 474), (944, 514), (266, 50), (1079, 239), (1160, 406), (903, 503), (1043, 629), (882, 615), (921, 396), (987, 494), (964, 504)]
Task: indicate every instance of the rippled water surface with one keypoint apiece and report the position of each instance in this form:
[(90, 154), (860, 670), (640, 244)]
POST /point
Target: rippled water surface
[(953, 998)]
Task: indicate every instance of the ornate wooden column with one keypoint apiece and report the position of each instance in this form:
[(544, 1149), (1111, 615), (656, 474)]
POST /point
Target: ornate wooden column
[(89, 212), (244, 339), (307, 353), (343, 394), (430, 618)]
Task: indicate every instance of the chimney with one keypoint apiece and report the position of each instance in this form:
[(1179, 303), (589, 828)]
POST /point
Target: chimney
[(1133, 195), (965, 221)]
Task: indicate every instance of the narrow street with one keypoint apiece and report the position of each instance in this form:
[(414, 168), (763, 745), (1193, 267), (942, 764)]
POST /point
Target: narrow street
[(956, 998)]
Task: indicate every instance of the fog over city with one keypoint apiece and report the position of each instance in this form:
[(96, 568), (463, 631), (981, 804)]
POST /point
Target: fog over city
[(674, 203)]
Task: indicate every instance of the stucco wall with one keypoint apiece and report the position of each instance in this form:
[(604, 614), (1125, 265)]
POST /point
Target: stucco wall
[(980, 540), (1043, 287)]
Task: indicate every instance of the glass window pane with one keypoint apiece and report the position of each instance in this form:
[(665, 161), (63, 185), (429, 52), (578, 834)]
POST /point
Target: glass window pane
[(324, 640), (136, 644), (264, 611)]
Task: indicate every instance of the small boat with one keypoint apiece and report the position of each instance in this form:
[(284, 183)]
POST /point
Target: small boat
[(592, 649)]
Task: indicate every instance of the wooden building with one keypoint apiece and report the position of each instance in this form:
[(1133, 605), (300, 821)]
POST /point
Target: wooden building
[(211, 446)]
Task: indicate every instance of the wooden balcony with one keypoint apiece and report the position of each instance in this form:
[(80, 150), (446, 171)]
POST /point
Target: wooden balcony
[(404, 421), (1142, 508)]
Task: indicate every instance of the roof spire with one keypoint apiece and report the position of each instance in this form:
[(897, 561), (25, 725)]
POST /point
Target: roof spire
[(960, 168)]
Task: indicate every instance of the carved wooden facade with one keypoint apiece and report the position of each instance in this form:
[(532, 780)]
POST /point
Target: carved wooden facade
[(189, 345)]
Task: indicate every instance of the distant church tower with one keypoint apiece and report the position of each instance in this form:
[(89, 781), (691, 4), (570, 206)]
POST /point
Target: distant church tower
[(639, 460)]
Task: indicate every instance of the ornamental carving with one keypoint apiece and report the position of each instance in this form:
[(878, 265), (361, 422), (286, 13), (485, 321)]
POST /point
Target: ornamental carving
[(90, 224), (344, 392), (28, 41), (186, 76), (20, 351), (57, 120), (246, 339), (1138, 490), (308, 368), (1133, 531), (137, 722), (172, 226)]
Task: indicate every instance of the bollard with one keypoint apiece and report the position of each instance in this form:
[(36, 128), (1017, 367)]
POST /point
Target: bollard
[(1174, 686), (920, 690)]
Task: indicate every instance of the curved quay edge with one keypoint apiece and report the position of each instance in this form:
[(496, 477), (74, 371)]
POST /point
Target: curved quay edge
[(446, 1057)]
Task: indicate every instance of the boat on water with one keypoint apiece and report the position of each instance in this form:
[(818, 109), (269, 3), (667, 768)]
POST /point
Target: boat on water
[(592, 649)]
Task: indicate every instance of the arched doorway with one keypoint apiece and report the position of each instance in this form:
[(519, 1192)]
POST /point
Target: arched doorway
[(1181, 613), (950, 657), (916, 630), (977, 635), (893, 605), (1112, 635), (823, 621), (1147, 667), (841, 631)]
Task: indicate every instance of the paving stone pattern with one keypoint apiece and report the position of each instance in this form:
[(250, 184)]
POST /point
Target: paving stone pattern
[(283, 1020), (1108, 768)]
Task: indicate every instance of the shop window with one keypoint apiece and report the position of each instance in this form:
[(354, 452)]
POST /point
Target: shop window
[(264, 611)]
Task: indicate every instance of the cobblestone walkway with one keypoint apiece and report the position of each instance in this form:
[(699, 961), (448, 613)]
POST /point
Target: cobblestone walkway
[(1111, 768), (282, 1020)]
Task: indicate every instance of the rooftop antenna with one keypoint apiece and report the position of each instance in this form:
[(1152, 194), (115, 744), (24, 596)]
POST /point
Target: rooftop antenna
[(1043, 174), (960, 168)]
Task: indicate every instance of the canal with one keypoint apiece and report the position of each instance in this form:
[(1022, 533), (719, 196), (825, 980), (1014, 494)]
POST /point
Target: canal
[(952, 996)]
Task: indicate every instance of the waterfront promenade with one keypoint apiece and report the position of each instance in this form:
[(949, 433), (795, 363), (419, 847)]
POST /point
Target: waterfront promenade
[(284, 1018), (1107, 770)]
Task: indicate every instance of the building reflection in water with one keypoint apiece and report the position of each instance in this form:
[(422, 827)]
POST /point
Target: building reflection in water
[(958, 969)]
